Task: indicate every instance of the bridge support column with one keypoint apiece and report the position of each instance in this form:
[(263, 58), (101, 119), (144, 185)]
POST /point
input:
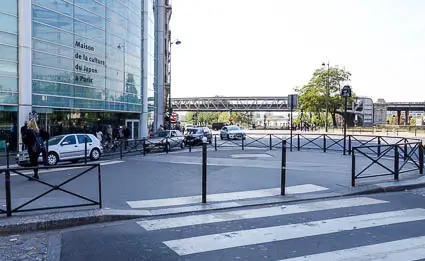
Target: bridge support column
[(398, 117), (406, 116)]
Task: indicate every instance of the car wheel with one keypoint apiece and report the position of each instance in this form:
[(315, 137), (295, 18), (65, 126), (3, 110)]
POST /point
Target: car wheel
[(52, 158), (95, 154)]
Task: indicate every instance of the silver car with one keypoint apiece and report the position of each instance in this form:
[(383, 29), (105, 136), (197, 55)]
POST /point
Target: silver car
[(68, 147), (232, 132), (165, 140)]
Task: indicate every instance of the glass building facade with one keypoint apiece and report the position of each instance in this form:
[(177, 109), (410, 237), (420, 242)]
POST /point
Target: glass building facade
[(81, 64)]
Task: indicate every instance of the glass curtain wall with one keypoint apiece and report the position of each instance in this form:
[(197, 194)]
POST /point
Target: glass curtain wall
[(87, 61)]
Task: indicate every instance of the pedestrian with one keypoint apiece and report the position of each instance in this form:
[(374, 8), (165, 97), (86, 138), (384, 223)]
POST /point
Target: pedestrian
[(33, 142), (44, 150), (99, 135), (23, 130), (127, 133)]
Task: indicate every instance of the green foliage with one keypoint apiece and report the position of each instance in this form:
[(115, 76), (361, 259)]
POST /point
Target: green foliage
[(207, 118), (312, 96)]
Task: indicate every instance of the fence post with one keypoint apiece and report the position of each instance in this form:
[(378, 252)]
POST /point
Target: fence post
[(349, 144), (190, 146), (421, 158), (283, 169), (121, 143), (215, 142), (85, 150), (7, 155), (204, 172), (270, 142), (396, 162), (243, 147), (8, 194), (405, 150), (379, 146), (144, 147), (166, 145), (99, 180), (353, 168), (298, 142), (324, 142)]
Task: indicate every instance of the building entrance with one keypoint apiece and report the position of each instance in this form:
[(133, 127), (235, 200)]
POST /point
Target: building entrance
[(133, 126)]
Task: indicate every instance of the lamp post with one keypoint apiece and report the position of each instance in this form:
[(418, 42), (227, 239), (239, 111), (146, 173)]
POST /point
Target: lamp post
[(170, 107), (345, 92), (327, 96)]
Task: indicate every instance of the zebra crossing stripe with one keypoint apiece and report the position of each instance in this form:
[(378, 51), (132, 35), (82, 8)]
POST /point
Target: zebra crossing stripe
[(407, 250), (199, 244), (174, 222), (168, 202)]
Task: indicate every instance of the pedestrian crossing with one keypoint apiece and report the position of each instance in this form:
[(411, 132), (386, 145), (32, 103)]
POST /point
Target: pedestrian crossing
[(194, 237)]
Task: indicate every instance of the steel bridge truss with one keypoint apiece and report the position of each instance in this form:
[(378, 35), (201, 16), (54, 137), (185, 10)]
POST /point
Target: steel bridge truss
[(231, 103)]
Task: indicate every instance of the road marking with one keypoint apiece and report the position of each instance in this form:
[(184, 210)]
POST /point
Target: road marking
[(166, 223), (192, 245), (102, 163), (406, 250), (249, 155), (152, 203)]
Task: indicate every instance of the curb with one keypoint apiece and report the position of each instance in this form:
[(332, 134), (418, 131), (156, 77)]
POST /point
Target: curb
[(53, 221)]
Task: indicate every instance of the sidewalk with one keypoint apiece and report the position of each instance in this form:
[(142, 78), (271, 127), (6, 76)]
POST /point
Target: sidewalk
[(50, 221)]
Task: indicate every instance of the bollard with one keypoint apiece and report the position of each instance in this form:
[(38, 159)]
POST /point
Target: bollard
[(379, 146), (7, 155), (204, 172), (8, 193), (396, 162), (85, 150), (270, 142), (190, 146), (298, 142), (349, 145), (406, 155), (324, 142), (215, 142), (421, 158), (353, 168), (243, 145), (144, 147), (99, 180), (283, 169)]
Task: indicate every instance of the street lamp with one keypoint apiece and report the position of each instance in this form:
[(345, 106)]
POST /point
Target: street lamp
[(327, 97), (345, 92), (170, 108)]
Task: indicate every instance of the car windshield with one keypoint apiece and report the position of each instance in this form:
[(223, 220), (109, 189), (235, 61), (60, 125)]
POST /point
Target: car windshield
[(233, 128), (162, 134), (55, 140), (194, 131)]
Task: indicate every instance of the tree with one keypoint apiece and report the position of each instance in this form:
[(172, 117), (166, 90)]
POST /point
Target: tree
[(312, 96)]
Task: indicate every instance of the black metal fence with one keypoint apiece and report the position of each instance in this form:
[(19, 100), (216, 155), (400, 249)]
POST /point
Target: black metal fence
[(387, 160), (19, 171)]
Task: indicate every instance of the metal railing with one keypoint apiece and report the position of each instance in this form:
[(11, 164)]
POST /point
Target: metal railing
[(52, 187), (387, 158)]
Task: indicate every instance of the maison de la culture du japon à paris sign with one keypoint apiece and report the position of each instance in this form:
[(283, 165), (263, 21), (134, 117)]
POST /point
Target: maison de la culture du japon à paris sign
[(90, 58)]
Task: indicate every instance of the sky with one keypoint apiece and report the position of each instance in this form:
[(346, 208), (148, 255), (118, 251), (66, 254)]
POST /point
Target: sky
[(269, 47)]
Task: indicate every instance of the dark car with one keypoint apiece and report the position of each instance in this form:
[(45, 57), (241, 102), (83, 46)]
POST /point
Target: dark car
[(194, 136), (165, 140)]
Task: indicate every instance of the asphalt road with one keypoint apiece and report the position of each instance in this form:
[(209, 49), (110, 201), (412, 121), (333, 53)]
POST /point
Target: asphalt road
[(378, 227)]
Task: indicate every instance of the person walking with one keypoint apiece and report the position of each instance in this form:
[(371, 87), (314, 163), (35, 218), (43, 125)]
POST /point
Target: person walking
[(127, 133), (23, 131), (33, 141)]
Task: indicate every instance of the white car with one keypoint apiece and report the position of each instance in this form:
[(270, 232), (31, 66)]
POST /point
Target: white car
[(232, 132), (68, 147)]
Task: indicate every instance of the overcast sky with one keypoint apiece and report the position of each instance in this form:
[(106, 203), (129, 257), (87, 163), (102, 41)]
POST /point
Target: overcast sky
[(268, 47)]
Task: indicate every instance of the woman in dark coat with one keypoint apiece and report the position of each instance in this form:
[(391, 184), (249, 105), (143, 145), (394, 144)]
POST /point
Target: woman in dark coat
[(34, 149)]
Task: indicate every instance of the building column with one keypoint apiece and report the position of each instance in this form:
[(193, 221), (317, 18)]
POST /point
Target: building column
[(160, 66), (406, 115), (25, 63), (398, 117)]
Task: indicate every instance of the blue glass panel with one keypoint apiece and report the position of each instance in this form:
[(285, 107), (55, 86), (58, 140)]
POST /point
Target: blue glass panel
[(8, 38), (8, 84), (91, 6), (52, 101), (89, 31), (8, 68), (51, 18), (52, 48), (39, 87), (8, 23), (52, 74), (51, 34), (57, 5), (53, 61), (8, 98), (89, 18), (88, 104), (8, 53), (9, 6)]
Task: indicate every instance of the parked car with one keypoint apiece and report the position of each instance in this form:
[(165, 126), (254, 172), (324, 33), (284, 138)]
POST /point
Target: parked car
[(194, 136), (165, 140), (68, 147), (232, 132)]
